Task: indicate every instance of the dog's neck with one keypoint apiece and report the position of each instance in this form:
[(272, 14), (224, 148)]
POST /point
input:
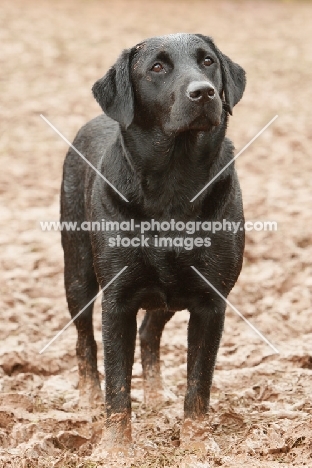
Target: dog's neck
[(171, 169)]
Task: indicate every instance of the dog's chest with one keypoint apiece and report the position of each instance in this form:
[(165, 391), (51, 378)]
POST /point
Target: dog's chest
[(166, 280)]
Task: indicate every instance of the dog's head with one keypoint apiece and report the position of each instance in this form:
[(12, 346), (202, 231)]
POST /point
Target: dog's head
[(176, 82)]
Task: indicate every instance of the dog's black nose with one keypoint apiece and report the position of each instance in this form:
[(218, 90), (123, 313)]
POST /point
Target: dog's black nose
[(200, 91)]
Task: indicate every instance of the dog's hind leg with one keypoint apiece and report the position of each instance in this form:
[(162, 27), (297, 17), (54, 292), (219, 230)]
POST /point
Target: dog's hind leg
[(150, 335)]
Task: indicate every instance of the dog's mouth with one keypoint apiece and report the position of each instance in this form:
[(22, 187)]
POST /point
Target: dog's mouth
[(199, 123), (204, 122), (195, 116)]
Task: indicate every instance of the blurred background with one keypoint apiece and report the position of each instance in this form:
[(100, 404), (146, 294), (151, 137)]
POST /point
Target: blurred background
[(51, 53)]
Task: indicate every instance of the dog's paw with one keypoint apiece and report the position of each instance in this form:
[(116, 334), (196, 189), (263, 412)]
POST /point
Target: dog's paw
[(117, 452), (116, 433)]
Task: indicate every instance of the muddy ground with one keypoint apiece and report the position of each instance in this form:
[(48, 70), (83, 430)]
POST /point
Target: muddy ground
[(51, 53)]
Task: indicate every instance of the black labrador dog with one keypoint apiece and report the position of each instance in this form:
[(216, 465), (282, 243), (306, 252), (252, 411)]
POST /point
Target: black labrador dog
[(161, 140)]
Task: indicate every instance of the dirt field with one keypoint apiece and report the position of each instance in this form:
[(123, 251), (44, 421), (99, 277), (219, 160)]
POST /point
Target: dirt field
[(51, 54)]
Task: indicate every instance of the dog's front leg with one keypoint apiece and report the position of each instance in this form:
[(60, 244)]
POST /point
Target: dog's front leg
[(119, 333), (204, 335)]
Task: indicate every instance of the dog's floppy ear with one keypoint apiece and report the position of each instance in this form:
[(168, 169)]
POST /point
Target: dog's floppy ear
[(114, 91), (233, 76), (234, 81)]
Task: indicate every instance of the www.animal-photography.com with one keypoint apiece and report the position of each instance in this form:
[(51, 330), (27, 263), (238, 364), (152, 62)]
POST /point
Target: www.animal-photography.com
[(155, 234)]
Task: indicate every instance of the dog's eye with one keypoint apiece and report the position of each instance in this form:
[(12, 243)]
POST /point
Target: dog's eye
[(208, 61), (157, 67)]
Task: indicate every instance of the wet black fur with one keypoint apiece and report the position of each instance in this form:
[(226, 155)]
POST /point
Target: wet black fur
[(158, 148)]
